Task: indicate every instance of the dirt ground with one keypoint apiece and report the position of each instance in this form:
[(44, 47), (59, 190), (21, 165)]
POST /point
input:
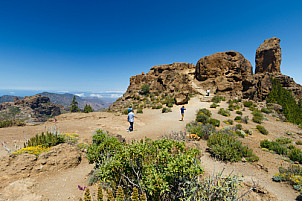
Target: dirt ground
[(62, 185)]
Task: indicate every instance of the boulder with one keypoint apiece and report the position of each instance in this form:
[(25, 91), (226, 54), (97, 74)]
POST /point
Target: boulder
[(181, 99), (268, 56), (224, 71)]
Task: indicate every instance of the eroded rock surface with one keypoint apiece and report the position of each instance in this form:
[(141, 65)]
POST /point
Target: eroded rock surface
[(268, 56)]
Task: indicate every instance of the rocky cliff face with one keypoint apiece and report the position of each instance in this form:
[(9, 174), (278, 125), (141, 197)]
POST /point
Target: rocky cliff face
[(268, 56), (31, 109), (226, 73)]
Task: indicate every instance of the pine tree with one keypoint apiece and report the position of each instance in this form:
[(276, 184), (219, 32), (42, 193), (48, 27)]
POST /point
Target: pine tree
[(100, 194), (74, 105), (134, 194), (88, 109), (87, 196)]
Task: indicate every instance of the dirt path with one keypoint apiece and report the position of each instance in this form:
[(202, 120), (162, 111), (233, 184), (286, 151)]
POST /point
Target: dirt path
[(62, 185)]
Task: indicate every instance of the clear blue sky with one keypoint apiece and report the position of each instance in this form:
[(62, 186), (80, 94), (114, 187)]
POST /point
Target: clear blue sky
[(98, 45)]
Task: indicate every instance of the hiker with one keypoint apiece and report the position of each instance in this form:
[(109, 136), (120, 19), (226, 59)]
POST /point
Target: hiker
[(182, 111), (130, 119), (208, 92), (129, 109)]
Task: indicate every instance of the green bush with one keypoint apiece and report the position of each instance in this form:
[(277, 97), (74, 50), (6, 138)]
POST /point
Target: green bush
[(266, 110), (283, 140), (274, 146), (163, 168), (214, 105), (201, 130), (239, 112), (292, 175), (218, 99), (169, 101), (205, 112), (247, 103), (139, 110), (226, 147), (214, 122), (238, 118), (231, 107), (46, 140), (257, 119), (295, 154), (224, 112), (11, 122), (202, 118), (166, 110), (262, 130), (229, 122), (145, 89)]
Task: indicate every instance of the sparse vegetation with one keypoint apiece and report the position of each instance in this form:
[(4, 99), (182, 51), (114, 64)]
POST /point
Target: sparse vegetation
[(292, 175), (247, 103), (214, 122), (218, 99), (239, 112), (145, 89), (238, 126), (139, 110), (214, 105), (11, 122), (238, 118), (245, 119), (202, 131), (229, 122), (266, 110)]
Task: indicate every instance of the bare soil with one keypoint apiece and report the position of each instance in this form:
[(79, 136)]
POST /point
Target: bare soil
[(63, 184)]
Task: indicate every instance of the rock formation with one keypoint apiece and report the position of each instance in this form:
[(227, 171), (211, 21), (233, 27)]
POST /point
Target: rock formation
[(268, 56), (224, 72), (32, 108)]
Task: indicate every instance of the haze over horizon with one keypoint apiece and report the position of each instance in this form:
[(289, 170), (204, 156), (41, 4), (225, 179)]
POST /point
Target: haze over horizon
[(98, 45)]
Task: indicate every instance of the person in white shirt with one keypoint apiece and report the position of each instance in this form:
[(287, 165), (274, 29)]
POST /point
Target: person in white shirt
[(130, 119), (208, 92)]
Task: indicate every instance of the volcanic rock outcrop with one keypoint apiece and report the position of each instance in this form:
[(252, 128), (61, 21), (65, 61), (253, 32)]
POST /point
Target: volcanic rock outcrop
[(268, 56), (169, 79), (31, 109), (225, 73)]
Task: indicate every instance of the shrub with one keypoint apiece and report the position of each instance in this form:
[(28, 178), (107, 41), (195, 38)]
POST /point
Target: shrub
[(11, 122), (295, 154), (204, 111), (266, 110), (125, 111), (238, 118), (169, 101), (202, 131), (247, 103), (282, 140), (226, 147), (214, 105), (224, 112), (47, 140), (36, 150), (139, 110), (166, 110), (218, 99), (231, 107), (165, 166), (291, 109), (229, 122), (214, 122), (145, 89), (262, 130), (202, 118), (292, 175), (299, 142), (239, 112), (257, 119)]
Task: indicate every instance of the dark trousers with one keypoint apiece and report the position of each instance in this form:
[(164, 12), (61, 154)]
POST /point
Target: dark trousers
[(131, 126)]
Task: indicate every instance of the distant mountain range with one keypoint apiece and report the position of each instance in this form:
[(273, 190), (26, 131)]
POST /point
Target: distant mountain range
[(66, 98)]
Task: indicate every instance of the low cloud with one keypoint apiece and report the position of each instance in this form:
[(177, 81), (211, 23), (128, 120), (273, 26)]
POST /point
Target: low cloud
[(116, 95), (96, 95), (81, 94)]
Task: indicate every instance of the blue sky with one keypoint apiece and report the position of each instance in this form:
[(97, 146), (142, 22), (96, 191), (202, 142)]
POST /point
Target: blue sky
[(98, 45)]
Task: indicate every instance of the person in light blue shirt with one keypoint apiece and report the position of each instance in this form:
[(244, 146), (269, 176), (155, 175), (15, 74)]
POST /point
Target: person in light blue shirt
[(130, 119)]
